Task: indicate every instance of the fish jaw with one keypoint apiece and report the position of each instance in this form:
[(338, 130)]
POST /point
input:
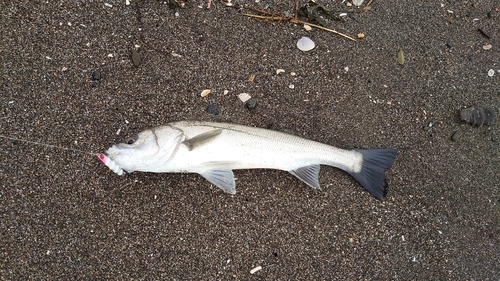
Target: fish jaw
[(150, 152)]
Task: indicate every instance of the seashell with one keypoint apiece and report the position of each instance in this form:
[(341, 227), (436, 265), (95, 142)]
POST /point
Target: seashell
[(305, 44), (244, 97), (278, 71), (478, 116), (358, 2), (205, 93), (487, 47), (307, 27)]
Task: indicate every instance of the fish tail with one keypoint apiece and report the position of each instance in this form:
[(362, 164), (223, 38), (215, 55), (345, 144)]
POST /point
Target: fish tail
[(372, 173)]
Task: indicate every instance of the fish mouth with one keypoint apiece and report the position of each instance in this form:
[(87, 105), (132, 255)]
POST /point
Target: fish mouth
[(110, 164)]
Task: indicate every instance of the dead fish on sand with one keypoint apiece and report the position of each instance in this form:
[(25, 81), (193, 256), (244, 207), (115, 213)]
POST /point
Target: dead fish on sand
[(213, 150)]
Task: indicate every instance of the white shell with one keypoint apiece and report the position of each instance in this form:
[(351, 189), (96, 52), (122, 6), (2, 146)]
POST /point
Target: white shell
[(244, 97), (205, 93), (358, 2), (305, 44)]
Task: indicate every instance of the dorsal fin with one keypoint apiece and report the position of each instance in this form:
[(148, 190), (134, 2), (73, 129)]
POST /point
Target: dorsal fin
[(201, 138)]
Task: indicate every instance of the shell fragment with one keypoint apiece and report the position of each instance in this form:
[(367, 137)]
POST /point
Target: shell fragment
[(244, 97), (205, 93)]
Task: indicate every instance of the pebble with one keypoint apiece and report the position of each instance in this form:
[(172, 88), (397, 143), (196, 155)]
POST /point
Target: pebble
[(491, 72), (487, 47), (456, 135), (213, 109), (251, 104), (478, 116), (96, 75)]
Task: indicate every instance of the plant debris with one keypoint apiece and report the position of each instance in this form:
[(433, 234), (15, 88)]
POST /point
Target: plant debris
[(401, 57), (279, 17), (136, 58), (312, 11)]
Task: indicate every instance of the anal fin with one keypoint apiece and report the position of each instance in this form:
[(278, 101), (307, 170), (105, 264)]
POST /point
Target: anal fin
[(223, 179), (308, 174)]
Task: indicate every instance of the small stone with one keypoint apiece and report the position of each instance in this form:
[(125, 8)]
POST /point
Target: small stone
[(487, 47), (361, 35), (213, 109), (96, 75), (136, 58), (307, 27), (478, 116), (280, 70), (449, 45), (491, 72), (456, 135), (251, 104), (490, 14)]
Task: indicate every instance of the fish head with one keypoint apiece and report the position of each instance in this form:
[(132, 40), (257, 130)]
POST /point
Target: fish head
[(147, 150)]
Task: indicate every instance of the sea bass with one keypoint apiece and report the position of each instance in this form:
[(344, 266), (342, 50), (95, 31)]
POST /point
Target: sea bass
[(214, 150)]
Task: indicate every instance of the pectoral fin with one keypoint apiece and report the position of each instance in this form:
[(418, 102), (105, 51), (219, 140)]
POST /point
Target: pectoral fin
[(223, 179), (201, 138), (308, 174)]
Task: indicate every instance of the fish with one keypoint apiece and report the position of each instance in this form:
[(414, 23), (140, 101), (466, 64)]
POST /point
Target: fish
[(213, 150)]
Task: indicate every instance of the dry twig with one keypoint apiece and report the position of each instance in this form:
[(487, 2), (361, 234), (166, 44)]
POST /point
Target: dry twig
[(275, 16)]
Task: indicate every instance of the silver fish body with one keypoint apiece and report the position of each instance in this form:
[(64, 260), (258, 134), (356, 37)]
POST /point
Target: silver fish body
[(213, 150)]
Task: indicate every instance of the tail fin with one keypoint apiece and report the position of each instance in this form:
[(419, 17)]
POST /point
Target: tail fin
[(372, 174)]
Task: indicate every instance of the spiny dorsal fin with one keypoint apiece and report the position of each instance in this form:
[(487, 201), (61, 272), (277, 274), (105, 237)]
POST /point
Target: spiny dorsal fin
[(201, 138), (308, 174)]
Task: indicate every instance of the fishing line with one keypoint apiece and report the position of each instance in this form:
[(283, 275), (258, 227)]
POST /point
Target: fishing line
[(48, 145)]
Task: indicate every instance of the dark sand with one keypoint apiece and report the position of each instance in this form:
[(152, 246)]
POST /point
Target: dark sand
[(64, 215)]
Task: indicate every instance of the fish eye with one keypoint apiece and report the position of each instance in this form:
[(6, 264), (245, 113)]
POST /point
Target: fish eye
[(130, 140)]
